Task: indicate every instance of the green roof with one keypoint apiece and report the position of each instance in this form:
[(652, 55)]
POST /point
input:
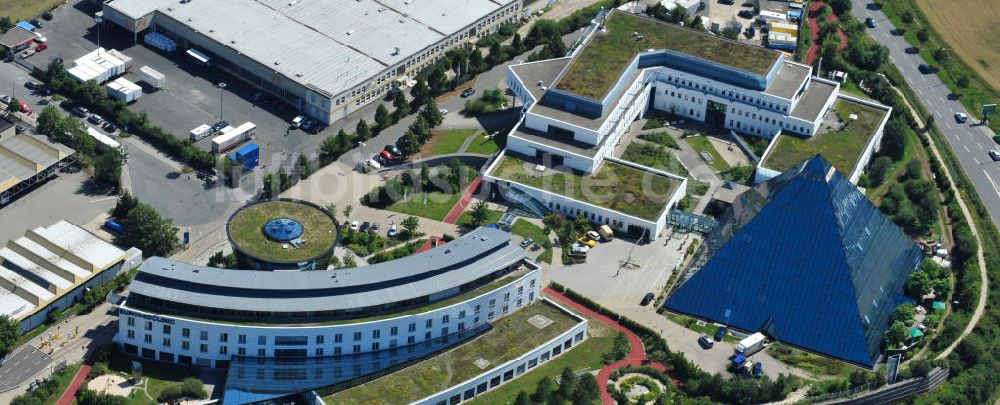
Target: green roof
[(614, 186), (936, 305), (246, 230), (841, 147), (916, 332), (603, 59), (511, 337)]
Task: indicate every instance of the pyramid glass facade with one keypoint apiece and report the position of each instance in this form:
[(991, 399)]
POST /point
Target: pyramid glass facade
[(807, 259)]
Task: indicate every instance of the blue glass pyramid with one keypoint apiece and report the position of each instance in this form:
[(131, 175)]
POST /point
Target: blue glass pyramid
[(807, 259)]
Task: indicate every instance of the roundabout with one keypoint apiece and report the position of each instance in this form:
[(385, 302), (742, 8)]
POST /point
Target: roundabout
[(639, 388)]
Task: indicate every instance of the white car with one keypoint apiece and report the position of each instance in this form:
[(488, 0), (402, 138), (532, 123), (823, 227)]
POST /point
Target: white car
[(443, 111), (354, 225), (392, 231), (297, 121), (961, 117)]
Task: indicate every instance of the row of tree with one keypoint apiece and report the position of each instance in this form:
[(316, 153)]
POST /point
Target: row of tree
[(71, 131), (576, 389)]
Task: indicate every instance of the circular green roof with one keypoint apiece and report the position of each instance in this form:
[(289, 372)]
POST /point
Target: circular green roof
[(319, 231)]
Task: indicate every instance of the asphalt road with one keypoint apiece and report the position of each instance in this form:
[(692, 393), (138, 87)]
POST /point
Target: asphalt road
[(970, 142), (22, 366)]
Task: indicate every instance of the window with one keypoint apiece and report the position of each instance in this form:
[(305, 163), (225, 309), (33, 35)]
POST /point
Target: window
[(203, 348), (291, 340), (185, 345), (411, 340), (147, 338), (520, 290), (242, 351), (319, 351), (203, 335), (242, 339), (223, 337), (461, 326), (393, 331), (413, 327), (429, 323), (506, 297), (336, 350), (427, 336), (376, 334), (148, 326), (444, 331), (493, 302), (357, 336), (223, 350), (444, 319), (319, 339), (356, 349), (477, 308), (261, 352), (166, 342), (131, 321), (375, 346), (505, 308), (130, 333), (461, 314), (262, 340)]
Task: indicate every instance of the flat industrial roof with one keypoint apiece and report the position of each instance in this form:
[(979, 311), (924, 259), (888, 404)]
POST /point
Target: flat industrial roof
[(82, 244), (23, 156), (788, 80), (566, 143), (16, 36), (545, 71), (477, 254), (810, 105), (14, 305), (331, 45)]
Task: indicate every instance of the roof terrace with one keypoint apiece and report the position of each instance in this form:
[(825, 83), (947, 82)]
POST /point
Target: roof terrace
[(603, 59)]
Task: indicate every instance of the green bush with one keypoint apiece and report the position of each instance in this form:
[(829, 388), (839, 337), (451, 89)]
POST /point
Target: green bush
[(193, 388), (170, 393)]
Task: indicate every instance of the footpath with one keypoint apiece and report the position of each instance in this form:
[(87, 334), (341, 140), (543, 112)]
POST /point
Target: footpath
[(636, 356)]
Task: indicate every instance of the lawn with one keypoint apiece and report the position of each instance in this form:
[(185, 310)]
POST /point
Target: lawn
[(157, 375), (841, 147), (601, 62), (483, 145), (587, 356), (435, 205), (655, 156), (63, 378), (613, 186), (27, 9), (661, 138), (708, 329), (529, 230), (701, 144), (444, 142), (510, 337), (318, 230), (466, 218), (808, 361)]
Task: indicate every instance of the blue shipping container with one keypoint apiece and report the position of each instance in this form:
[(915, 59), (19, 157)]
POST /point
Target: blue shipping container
[(248, 156)]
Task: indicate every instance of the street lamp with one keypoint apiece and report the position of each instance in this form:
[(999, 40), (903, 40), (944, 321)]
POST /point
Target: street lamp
[(98, 20), (222, 91)]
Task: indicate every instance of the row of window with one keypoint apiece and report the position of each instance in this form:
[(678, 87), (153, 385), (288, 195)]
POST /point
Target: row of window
[(728, 94)]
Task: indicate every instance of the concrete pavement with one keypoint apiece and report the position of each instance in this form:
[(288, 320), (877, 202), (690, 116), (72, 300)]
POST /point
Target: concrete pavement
[(970, 143)]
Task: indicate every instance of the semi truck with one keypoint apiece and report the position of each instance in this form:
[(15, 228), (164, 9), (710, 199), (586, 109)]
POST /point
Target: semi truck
[(152, 77), (751, 344), (234, 137), (247, 156)]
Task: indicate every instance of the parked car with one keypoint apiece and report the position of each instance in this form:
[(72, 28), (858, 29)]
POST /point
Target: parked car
[(364, 226), (32, 85), (386, 156), (95, 119), (374, 228), (19, 128), (646, 299), (392, 231), (26, 54), (24, 108), (38, 23), (925, 68), (308, 124), (443, 111), (758, 370), (81, 112), (593, 235), (527, 242), (109, 127), (354, 225), (41, 47), (216, 127), (870, 22), (392, 149), (706, 342), (961, 117), (468, 92), (995, 154), (6, 99), (583, 240), (720, 333), (47, 16), (297, 121), (748, 14)]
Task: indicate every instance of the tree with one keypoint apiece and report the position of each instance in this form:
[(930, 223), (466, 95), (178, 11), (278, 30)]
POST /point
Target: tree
[(907, 17), (347, 211), (425, 175), (10, 332), (420, 92), (905, 313), (476, 63), (480, 212), (495, 56), (410, 224), (146, 230), (108, 168), (400, 103), (941, 55), (522, 399), (543, 391), (730, 32), (48, 121), (840, 6), (15, 105), (879, 169), (421, 128), (923, 35), (437, 81), (919, 284), (432, 113), (896, 334), (409, 144), (329, 150), (382, 118), (962, 81), (304, 167), (126, 202), (894, 141), (89, 93), (567, 384), (362, 131)]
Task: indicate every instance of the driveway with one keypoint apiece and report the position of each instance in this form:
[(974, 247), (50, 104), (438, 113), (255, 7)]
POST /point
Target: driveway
[(969, 142)]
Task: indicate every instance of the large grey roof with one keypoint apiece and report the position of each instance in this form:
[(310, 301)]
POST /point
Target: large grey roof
[(810, 105), (789, 79), (333, 45), (463, 260), (23, 156)]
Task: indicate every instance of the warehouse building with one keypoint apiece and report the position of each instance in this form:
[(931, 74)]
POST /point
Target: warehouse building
[(328, 58), (26, 160), (806, 259), (50, 268)]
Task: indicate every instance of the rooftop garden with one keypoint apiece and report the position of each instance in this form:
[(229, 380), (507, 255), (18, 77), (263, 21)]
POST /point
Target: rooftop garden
[(601, 62), (614, 186), (510, 338), (318, 230), (841, 147)]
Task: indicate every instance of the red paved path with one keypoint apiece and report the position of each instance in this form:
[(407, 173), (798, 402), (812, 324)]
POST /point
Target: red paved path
[(814, 28), (636, 356), (74, 386), (428, 244), (463, 202)]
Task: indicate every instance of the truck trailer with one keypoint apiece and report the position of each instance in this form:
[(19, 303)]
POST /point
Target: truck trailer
[(247, 156), (152, 77), (234, 137), (124, 90), (751, 344)]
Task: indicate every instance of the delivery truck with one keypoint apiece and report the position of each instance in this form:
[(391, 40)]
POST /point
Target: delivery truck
[(124, 90), (234, 137), (201, 132), (152, 77), (751, 344)]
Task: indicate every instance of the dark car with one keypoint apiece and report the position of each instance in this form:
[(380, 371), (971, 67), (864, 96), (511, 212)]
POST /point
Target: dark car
[(32, 85), (721, 333), (81, 112), (758, 370), (109, 127), (748, 14), (995, 155), (392, 149), (19, 129), (47, 16), (468, 92), (706, 342), (95, 119), (925, 69), (646, 299), (364, 227), (870, 22), (219, 125)]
